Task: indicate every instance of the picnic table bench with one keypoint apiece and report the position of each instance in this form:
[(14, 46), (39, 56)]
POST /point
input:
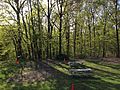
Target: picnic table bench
[(78, 68), (75, 64)]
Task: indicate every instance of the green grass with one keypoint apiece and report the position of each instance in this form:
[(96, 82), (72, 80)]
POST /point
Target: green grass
[(105, 77), (102, 67), (63, 70)]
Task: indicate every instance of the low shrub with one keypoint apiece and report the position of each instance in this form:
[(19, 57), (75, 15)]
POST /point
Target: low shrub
[(61, 57)]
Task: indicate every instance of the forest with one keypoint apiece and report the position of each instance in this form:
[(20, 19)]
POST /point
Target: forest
[(43, 43)]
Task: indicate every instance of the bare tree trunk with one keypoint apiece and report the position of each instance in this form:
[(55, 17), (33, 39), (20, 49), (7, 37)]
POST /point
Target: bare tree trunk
[(67, 28), (104, 34), (51, 42), (94, 34), (90, 37), (74, 36), (60, 29), (116, 26), (48, 34), (40, 34), (81, 41)]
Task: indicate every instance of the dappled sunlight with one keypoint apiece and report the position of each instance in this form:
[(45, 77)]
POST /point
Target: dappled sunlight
[(102, 67), (59, 45)]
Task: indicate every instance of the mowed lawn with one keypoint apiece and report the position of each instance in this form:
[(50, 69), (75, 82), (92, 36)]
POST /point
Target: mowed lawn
[(106, 76)]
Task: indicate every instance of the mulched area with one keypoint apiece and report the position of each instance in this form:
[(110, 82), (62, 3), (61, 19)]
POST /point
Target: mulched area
[(111, 60), (31, 75), (108, 60)]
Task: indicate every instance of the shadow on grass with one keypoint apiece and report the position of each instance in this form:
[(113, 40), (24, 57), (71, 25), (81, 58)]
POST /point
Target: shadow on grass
[(85, 83)]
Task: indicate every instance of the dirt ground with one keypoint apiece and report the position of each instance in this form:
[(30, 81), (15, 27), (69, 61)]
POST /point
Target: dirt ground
[(32, 75), (111, 60)]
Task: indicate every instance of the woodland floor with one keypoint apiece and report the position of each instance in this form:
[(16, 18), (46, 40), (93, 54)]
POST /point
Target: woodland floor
[(54, 76)]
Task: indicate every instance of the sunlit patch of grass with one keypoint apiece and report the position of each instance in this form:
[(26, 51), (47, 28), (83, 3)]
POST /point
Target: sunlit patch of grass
[(105, 73), (101, 67), (64, 65), (114, 66), (63, 70)]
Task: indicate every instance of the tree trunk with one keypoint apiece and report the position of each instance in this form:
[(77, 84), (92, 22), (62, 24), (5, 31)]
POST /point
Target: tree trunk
[(90, 37), (94, 34), (74, 44), (67, 35), (39, 53), (48, 35), (104, 34), (116, 26), (19, 48), (81, 41), (60, 29)]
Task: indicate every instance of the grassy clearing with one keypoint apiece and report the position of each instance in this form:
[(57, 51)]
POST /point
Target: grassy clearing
[(105, 78), (102, 67), (105, 73)]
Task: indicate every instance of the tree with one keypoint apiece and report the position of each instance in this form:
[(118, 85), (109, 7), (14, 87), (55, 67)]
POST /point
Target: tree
[(116, 27)]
